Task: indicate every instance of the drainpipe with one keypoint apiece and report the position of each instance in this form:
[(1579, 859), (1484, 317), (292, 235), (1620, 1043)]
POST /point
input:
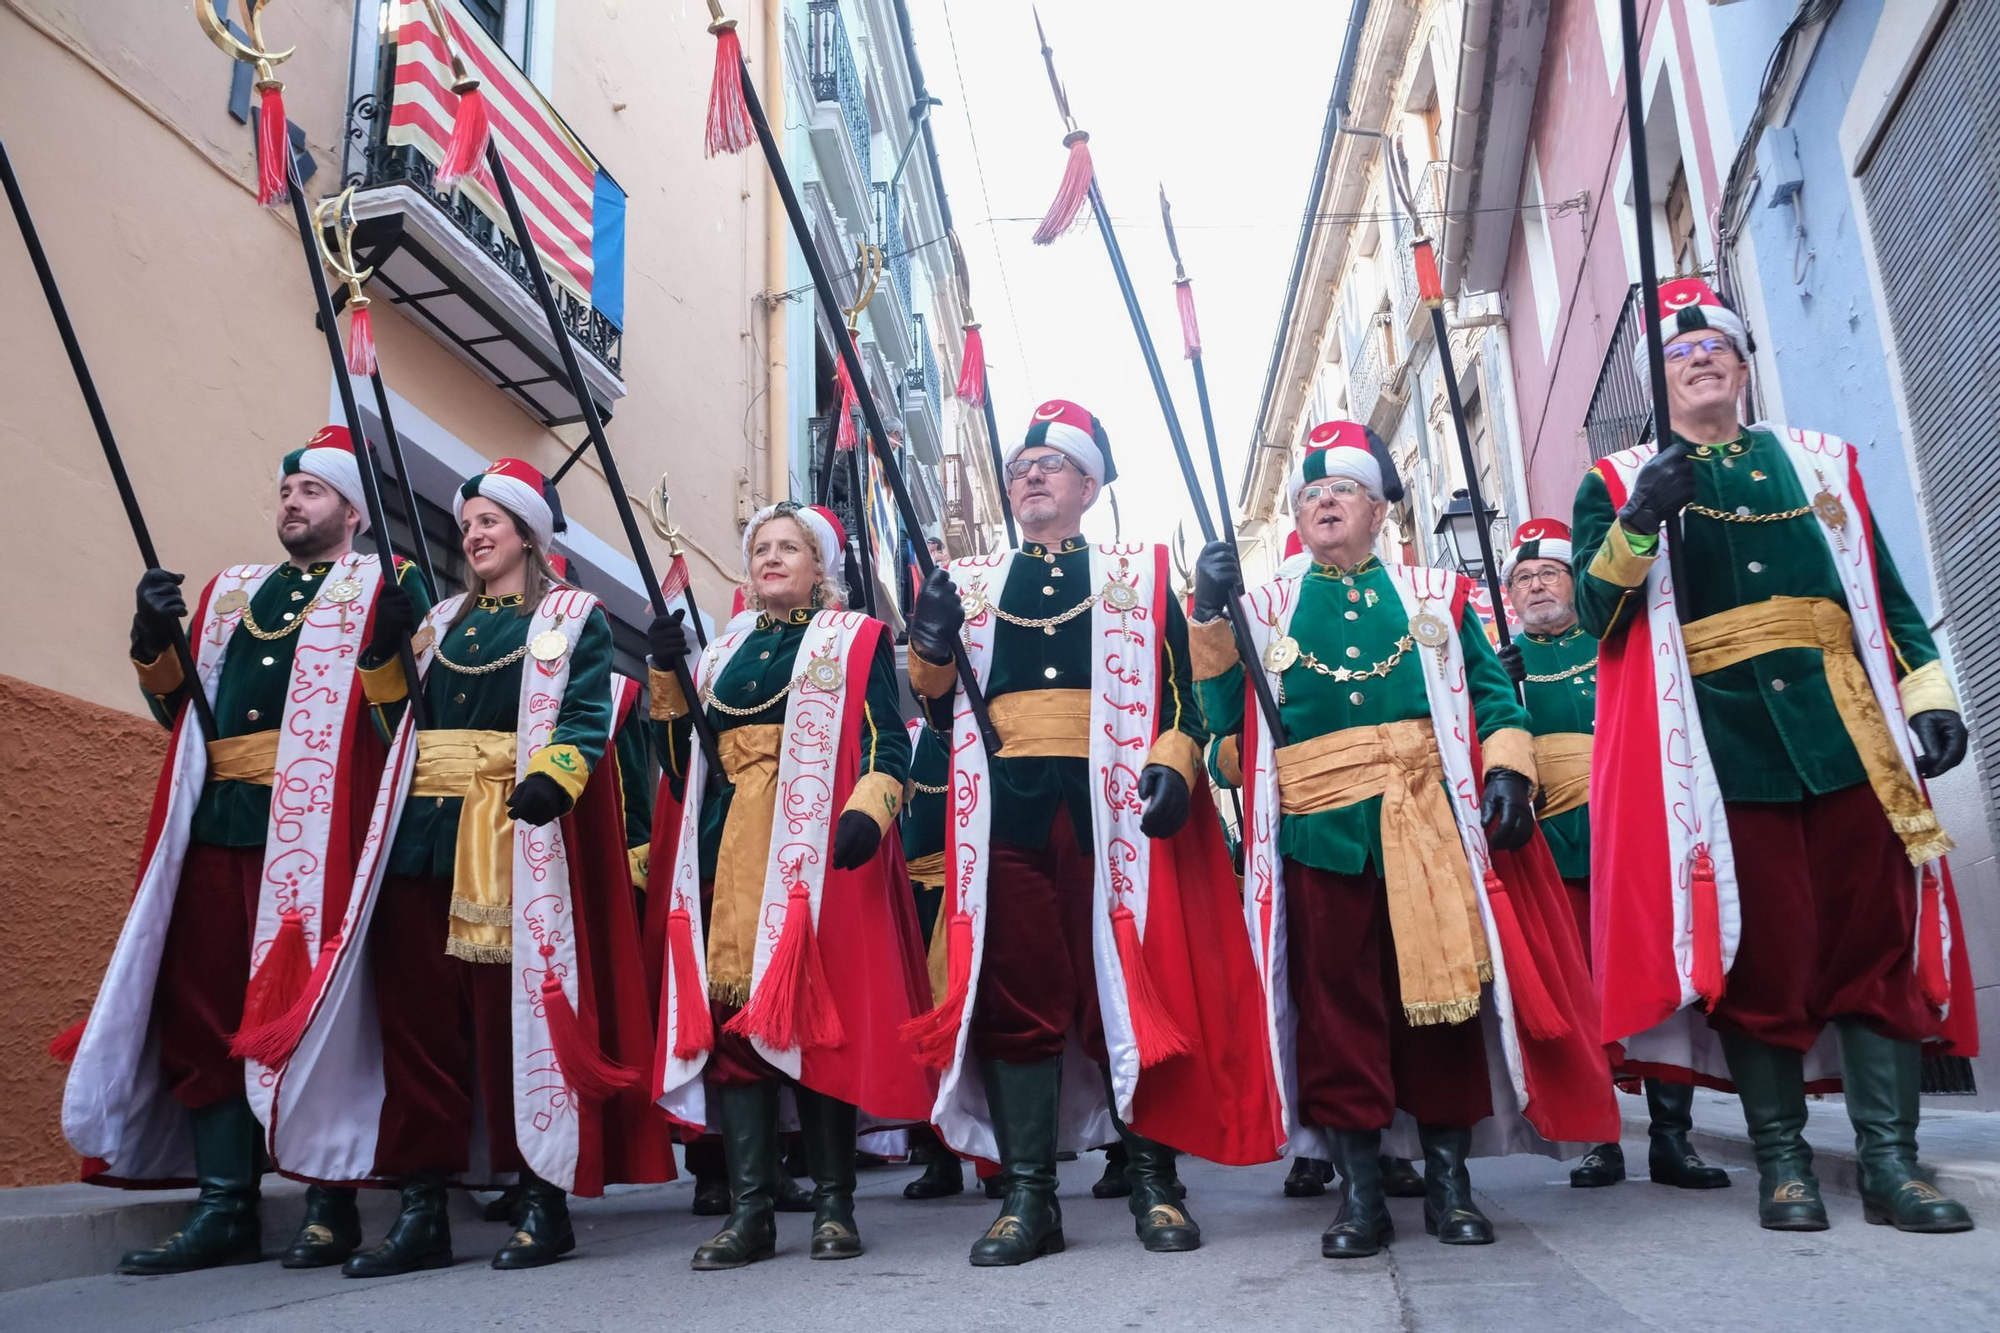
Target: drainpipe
[(1468, 106), (1502, 367), (777, 263)]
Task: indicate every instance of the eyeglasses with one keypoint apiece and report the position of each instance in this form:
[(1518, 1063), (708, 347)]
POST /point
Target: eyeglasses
[(1710, 346), (1529, 578), (1048, 465), (1336, 490)]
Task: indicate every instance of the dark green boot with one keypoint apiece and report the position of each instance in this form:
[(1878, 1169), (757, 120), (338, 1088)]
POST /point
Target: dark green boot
[(750, 1147), (1450, 1213), (1112, 1184), (1771, 1083), (330, 1231), (544, 1234), (1023, 1100), (1158, 1213), (1362, 1226), (223, 1228), (944, 1173), (1601, 1166), (507, 1207), (1672, 1160), (419, 1238), (1308, 1178), (829, 1140), (1400, 1179), (1882, 1078)]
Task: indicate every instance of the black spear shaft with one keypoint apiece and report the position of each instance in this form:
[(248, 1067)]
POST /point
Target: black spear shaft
[(371, 487), (595, 426), (1478, 502), (1239, 621), (1224, 513), (858, 503), (204, 716), (892, 472), (1649, 273), (999, 470), (404, 487)]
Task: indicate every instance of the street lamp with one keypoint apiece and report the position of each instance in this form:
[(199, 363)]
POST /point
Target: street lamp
[(1461, 525)]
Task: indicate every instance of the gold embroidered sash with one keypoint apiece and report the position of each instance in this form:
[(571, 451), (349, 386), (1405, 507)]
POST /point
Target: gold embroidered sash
[(252, 758), (1744, 632), (1441, 956), (928, 871), (1562, 765), (1051, 723), (750, 757), (477, 767)]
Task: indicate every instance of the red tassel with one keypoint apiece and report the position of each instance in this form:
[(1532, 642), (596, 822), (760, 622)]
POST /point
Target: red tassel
[(729, 127), (62, 1047), (676, 581), (1534, 1008), (694, 1030), (271, 1043), (274, 146), (1074, 190), (1705, 909), (1931, 973), (791, 1009), (844, 436), (279, 979), (589, 1072), (1153, 1028), (465, 154), (972, 373), (360, 338), (1190, 331), (935, 1033)]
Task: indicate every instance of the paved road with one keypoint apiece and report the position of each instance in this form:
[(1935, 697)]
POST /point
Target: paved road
[(1636, 1256)]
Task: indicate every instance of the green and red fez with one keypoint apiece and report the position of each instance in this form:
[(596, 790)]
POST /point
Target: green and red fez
[(1689, 305), (1074, 433), (329, 456), (1539, 539), (1346, 449), (521, 490)]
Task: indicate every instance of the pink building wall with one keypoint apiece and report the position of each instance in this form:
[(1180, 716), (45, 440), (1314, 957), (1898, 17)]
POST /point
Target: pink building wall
[(1579, 138)]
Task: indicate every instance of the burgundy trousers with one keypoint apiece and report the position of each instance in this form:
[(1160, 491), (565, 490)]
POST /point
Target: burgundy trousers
[(1039, 977), (1578, 893), (1359, 1060), (1829, 922), (447, 1038), (204, 971)]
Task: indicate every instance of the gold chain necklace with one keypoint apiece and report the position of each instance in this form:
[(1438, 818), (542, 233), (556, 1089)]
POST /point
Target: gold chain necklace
[(1565, 674), (269, 635), (486, 670), (1047, 624), (1723, 516), (1379, 669), (708, 698), (927, 789)]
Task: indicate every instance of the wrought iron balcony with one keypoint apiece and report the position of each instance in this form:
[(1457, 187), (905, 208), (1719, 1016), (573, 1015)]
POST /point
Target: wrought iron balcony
[(1374, 379), (1620, 414), (830, 62)]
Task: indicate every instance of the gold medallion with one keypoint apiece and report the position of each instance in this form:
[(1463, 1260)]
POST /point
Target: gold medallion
[(421, 641), (231, 602), (974, 602), (1280, 653), (824, 674), (1429, 631), (1120, 597), (548, 646), (1830, 509), (342, 591)]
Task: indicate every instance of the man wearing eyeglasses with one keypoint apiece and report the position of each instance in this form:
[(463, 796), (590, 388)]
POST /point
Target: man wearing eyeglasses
[(1406, 916), (1771, 904), (1555, 663), (1082, 898)]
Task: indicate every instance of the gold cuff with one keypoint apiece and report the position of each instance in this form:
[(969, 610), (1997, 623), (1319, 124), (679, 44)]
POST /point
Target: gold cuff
[(1512, 747), (1617, 563), (1212, 648), (1177, 750), (565, 764), (1927, 690), (161, 676), (879, 796), (638, 858), (669, 702), (1226, 760), (384, 684), (933, 680)]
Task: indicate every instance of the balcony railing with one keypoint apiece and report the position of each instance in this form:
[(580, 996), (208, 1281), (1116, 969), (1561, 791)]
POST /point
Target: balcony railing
[(1367, 369), (1621, 413), (834, 79), (924, 375), (1429, 198), (895, 247)]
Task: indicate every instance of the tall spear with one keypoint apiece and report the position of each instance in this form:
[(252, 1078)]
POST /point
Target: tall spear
[(974, 386), (735, 117), (1079, 186), (1191, 350), (204, 716), (274, 140), (472, 138)]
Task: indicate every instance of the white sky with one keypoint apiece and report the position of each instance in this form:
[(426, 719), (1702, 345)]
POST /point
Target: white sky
[(1223, 104)]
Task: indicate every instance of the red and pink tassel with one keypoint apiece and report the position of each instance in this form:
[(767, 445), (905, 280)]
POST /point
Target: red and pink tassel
[(934, 1033), (1154, 1031), (63, 1046), (274, 146), (471, 128), (844, 436), (1534, 1007), (792, 1007), (972, 372), (360, 337), (280, 979), (676, 581), (591, 1074), (729, 127), (271, 1043), (1075, 189), (1933, 977), (1705, 919), (1190, 330), (694, 1029)]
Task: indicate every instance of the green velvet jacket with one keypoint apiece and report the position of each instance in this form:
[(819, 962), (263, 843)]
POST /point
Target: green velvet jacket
[(1028, 791), (250, 695), (427, 835), (1355, 618), (925, 812), (767, 659), (1770, 722), (635, 775), (1567, 704)]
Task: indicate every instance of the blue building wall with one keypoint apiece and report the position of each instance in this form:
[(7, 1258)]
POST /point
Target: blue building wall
[(1829, 349)]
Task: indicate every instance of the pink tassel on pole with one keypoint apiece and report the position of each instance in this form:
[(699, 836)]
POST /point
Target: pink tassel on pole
[(1074, 191), (729, 126), (844, 436), (1190, 331), (471, 128), (972, 373), (274, 143), (360, 338), (63, 1046)]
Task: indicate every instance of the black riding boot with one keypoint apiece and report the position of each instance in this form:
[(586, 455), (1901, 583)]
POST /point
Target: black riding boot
[(223, 1228), (419, 1238), (1362, 1226), (750, 1146), (1450, 1213), (1024, 1100), (544, 1234), (829, 1139), (330, 1230), (1112, 1184), (1672, 1160)]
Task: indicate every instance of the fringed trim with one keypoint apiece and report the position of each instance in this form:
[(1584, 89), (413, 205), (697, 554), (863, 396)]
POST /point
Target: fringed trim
[(478, 953), (1924, 821), (1924, 853), (484, 914), (1486, 971), (733, 993), (1443, 1011)]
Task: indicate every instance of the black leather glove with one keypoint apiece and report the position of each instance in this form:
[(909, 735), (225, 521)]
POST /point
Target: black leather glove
[(1165, 794), (856, 838), (1941, 733), (936, 618), (395, 618), (1217, 576), (538, 799), (1506, 810), (1511, 663), (667, 640), (161, 607), (1663, 488)]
